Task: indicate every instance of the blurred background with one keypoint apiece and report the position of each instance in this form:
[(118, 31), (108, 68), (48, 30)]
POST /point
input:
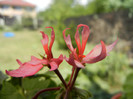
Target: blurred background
[(21, 21)]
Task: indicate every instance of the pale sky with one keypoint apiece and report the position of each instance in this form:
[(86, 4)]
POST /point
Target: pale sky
[(40, 4), (43, 4)]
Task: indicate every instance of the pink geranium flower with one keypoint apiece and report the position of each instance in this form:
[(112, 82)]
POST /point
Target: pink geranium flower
[(35, 64), (77, 57)]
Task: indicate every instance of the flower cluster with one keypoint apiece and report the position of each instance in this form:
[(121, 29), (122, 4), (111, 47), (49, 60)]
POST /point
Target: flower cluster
[(76, 58)]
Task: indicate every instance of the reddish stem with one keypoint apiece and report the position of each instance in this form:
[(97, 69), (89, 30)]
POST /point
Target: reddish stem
[(71, 84), (61, 78), (48, 89), (71, 76), (66, 95), (74, 79)]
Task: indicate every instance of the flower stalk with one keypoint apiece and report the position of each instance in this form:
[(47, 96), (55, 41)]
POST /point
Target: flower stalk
[(72, 83), (71, 76), (74, 79), (61, 78), (44, 90)]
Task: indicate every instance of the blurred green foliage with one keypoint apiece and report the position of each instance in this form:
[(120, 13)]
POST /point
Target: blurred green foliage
[(128, 87), (17, 27), (27, 22), (60, 10)]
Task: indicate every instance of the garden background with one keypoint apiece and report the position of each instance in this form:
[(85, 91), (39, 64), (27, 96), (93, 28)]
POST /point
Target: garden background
[(107, 19)]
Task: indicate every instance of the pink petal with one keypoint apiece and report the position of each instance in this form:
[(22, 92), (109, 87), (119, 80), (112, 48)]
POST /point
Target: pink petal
[(97, 50), (111, 46), (36, 61), (19, 62), (73, 62), (52, 40), (58, 60), (68, 40), (55, 62), (45, 42), (85, 35), (79, 64), (25, 70), (97, 54), (53, 66), (93, 53), (70, 60)]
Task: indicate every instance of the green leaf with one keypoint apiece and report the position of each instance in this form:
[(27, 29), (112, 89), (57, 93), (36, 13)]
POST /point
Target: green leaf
[(81, 93), (103, 84), (8, 91), (128, 86), (75, 93), (2, 77), (33, 85)]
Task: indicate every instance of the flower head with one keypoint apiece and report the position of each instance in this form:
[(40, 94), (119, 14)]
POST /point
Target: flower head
[(77, 57), (35, 64)]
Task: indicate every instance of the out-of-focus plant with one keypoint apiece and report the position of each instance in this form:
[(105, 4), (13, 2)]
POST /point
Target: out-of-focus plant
[(17, 26), (128, 87), (1, 27), (102, 6), (128, 5), (27, 22)]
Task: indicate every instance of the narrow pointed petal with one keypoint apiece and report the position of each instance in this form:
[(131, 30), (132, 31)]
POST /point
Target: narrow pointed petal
[(45, 42), (53, 66), (36, 61), (97, 54), (25, 70), (111, 46), (77, 39), (19, 62), (85, 36), (68, 40), (52, 40)]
